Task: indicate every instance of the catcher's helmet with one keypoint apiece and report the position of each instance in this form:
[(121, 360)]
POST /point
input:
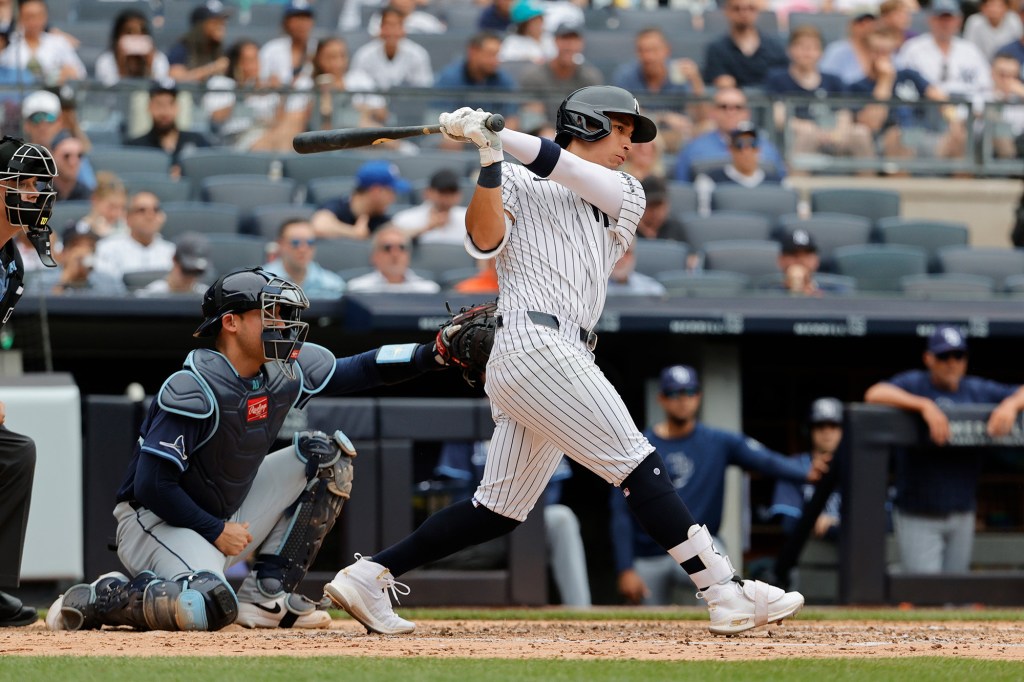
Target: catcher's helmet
[(584, 115), (280, 301), (20, 161)]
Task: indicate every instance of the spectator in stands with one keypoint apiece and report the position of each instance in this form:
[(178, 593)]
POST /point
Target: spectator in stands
[(1007, 90), (729, 109), (626, 281), (200, 53), (798, 264), (391, 273), (68, 151), (898, 14), (826, 431), (566, 72), (441, 217), (244, 114), (296, 261), (109, 201), (905, 131), (943, 58), (934, 515), (142, 247), (48, 56), (496, 16), (849, 59), (392, 60), (743, 169), (744, 55), (40, 117), (1016, 48), (993, 26), (485, 281), (164, 133), (76, 274), (659, 220), (331, 80), (816, 127), (7, 16), (655, 72), (366, 210), (528, 42), (191, 262), (417, 21), (646, 158), (479, 70), (695, 457), (132, 53), (284, 59)]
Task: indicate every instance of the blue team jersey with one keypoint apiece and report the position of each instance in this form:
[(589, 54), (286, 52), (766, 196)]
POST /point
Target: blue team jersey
[(780, 82), (909, 87), (790, 497)]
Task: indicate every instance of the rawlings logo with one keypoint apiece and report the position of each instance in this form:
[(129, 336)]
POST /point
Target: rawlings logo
[(294, 355), (258, 408)]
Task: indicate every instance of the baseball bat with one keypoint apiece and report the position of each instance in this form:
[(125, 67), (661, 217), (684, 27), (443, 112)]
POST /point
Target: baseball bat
[(350, 138)]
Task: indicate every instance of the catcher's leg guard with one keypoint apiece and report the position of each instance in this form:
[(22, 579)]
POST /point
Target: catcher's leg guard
[(329, 467), (76, 608), (196, 601)]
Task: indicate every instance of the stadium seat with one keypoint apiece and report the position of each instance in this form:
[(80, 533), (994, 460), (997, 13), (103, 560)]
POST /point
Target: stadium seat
[(265, 221), (449, 278), (125, 161), (1014, 285), (930, 235), (247, 191), (829, 231), (137, 280), (772, 201), (320, 190), (423, 165), (948, 286), (724, 225), (660, 255), (65, 212), (707, 283), (162, 185), (107, 10), (438, 257), (840, 283), (873, 204), (999, 264), (751, 257), (199, 216), (682, 197), (634, 20), (880, 267), (343, 254), (443, 48), (230, 252), (832, 26), (304, 168), (204, 163), (716, 24)]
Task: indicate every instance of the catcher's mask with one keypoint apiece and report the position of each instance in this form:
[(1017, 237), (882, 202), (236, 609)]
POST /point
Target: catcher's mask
[(26, 175), (281, 304)]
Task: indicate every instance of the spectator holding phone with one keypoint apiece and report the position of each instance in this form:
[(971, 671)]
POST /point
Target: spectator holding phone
[(132, 53)]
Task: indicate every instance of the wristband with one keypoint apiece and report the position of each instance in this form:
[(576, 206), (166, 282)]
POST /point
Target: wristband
[(490, 176)]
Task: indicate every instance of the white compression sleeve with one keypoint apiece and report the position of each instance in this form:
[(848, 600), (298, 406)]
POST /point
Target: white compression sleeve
[(598, 185)]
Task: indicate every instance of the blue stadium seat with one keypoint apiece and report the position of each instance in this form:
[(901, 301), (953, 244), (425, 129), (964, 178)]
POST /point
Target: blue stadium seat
[(930, 235), (1000, 264), (880, 267), (660, 255), (724, 225), (751, 257)]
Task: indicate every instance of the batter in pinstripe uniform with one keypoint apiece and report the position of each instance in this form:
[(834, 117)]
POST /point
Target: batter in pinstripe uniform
[(556, 225)]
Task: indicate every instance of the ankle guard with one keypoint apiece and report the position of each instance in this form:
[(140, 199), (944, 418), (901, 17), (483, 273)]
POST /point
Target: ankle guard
[(79, 607), (717, 567)]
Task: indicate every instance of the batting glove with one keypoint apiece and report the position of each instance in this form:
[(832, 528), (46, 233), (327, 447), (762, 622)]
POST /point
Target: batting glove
[(487, 141), (453, 124)]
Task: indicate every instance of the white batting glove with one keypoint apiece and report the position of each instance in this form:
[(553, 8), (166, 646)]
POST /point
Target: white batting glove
[(487, 141), (453, 123)]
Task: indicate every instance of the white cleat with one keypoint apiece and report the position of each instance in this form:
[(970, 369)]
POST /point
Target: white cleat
[(361, 589), (738, 606), (287, 611), (82, 596)]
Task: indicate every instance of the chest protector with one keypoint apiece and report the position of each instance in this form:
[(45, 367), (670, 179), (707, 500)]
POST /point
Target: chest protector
[(246, 417)]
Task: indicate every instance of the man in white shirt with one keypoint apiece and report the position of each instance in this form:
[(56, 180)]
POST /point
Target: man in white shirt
[(142, 248), (191, 263), (284, 59), (441, 217), (392, 60), (946, 60), (49, 57), (993, 26), (390, 259)]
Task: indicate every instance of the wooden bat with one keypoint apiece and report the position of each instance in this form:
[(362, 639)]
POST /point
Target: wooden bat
[(349, 138)]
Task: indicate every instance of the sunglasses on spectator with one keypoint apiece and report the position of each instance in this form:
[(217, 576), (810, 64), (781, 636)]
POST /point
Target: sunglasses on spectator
[(687, 392), (745, 143), (731, 107), (42, 117), (72, 155), (951, 355), (296, 243), (393, 247), (146, 209)]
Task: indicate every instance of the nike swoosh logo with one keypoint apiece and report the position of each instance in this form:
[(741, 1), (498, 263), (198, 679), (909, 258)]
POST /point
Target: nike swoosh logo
[(275, 610), (536, 179)]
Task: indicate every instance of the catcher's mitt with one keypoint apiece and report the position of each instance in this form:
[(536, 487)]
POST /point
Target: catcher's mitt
[(467, 338)]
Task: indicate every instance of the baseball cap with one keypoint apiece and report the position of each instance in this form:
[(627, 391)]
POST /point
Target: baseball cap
[(211, 9), (564, 30), (946, 338), (798, 240), (444, 180), (163, 85), (297, 8), (524, 10), (655, 188), (193, 253), (41, 102), (679, 379), (383, 173), (864, 12), (826, 411), (940, 7), (743, 128), (75, 231)]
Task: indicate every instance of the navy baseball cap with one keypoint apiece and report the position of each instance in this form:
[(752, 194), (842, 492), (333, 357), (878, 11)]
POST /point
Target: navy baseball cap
[(384, 173), (798, 240), (211, 9), (298, 8), (826, 411), (941, 7), (945, 339), (679, 379)]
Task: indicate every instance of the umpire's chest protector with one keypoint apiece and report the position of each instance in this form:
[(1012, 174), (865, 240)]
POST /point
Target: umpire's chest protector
[(247, 417)]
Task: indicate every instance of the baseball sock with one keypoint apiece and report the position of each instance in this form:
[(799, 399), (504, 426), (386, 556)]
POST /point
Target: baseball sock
[(654, 502), (453, 528)]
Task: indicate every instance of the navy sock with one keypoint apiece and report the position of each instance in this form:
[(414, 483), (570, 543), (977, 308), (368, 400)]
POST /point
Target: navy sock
[(455, 527), (657, 506)]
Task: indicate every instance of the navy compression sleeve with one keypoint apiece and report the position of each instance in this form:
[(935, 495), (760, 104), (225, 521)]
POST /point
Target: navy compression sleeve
[(158, 489)]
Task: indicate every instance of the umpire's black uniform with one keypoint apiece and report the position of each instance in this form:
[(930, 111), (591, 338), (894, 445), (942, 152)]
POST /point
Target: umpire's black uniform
[(17, 464)]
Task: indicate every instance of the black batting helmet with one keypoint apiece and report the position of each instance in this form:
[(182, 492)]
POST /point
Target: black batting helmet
[(584, 115), (20, 161)]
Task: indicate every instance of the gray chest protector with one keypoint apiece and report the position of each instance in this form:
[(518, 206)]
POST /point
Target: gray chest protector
[(244, 418)]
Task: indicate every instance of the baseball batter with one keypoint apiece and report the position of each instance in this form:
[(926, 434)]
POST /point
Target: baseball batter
[(201, 492), (556, 225)]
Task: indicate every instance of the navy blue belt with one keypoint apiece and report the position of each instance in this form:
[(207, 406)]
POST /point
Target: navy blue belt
[(587, 336)]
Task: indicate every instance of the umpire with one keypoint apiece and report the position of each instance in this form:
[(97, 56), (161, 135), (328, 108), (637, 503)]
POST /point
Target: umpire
[(26, 187)]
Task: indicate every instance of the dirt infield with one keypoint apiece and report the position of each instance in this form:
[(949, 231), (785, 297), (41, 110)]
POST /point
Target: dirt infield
[(648, 640)]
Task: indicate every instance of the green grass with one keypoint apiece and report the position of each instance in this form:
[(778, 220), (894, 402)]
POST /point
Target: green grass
[(319, 669)]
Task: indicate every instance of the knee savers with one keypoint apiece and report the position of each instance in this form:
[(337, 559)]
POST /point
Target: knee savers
[(197, 601)]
